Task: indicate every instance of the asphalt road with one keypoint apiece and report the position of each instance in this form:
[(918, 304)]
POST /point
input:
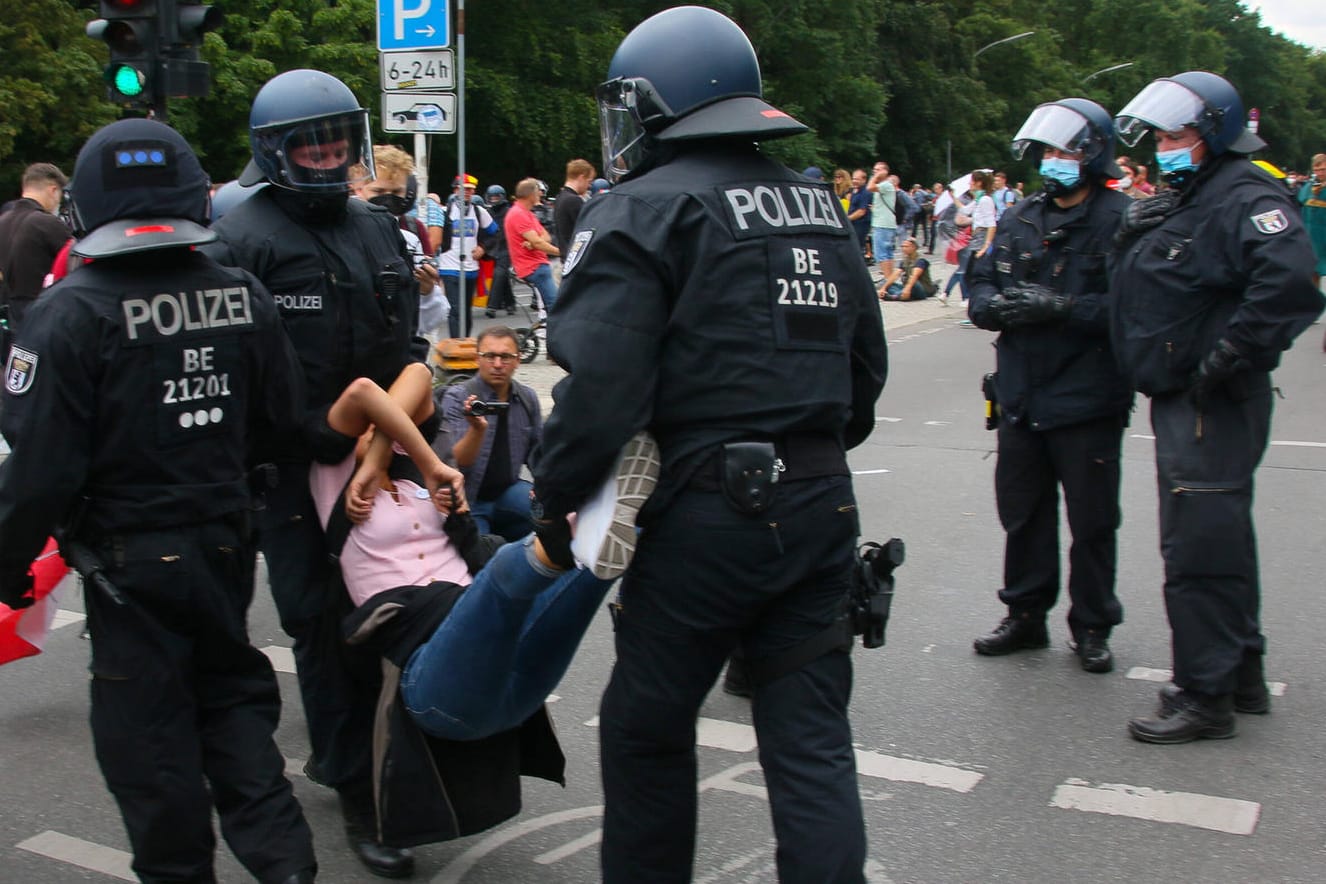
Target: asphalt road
[(1014, 769)]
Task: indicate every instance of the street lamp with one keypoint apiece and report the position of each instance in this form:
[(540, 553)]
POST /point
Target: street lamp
[(1114, 67), (1000, 42)]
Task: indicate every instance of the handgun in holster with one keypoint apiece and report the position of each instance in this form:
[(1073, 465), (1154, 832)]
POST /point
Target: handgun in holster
[(991, 400)]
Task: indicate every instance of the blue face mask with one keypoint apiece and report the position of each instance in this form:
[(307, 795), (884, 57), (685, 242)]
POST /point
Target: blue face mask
[(1065, 173), (1171, 161)]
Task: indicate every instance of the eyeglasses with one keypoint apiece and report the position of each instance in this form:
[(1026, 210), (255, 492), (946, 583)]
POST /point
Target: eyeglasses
[(499, 357)]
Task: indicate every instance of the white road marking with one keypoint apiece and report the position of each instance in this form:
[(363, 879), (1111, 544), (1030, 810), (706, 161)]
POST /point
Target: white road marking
[(570, 848), (715, 734), (1142, 673), (908, 770), (937, 423), (283, 659), (458, 868), (1184, 808), (1282, 443), (869, 472), (67, 618), (888, 420), (84, 854)]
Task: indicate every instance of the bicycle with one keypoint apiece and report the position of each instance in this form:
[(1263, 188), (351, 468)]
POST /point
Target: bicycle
[(527, 336)]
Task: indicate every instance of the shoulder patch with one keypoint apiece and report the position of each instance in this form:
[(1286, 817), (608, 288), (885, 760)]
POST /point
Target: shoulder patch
[(20, 371), (1271, 222), (578, 246)]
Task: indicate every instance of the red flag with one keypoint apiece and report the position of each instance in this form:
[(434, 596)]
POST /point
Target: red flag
[(23, 632)]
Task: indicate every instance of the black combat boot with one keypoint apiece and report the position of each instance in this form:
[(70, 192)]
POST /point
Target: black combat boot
[(361, 833), (1092, 647), (1251, 696), (1016, 632), (1194, 717)]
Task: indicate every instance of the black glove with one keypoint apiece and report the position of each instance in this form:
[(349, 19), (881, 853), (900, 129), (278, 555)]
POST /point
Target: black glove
[(1032, 304), (554, 533), (1221, 364), (16, 590), (1141, 215)]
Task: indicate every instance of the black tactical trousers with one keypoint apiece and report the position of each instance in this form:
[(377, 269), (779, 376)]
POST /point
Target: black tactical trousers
[(1204, 467), (338, 685), (184, 708), (1033, 465), (704, 579)]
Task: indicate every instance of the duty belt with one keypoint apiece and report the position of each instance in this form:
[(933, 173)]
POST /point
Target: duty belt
[(802, 456)]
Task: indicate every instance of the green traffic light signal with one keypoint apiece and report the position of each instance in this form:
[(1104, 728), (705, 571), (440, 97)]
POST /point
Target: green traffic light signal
[(127, 80)]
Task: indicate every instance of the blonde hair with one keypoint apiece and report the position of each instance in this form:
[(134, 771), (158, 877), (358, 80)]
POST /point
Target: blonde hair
[(391, 160)]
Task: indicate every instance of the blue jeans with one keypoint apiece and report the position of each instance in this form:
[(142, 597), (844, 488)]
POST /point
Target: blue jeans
[(882, 240), (507, 514), (502, 649), (451, 288), (542, 280)]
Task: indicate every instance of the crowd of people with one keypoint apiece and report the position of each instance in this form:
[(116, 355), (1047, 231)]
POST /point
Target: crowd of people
[(437, 555)]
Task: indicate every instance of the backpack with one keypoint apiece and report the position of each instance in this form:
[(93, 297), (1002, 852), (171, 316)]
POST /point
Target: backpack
[(904, 206)]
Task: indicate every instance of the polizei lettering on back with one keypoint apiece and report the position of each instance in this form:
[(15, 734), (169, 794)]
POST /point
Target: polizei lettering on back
[(783, 208), (166, 315)]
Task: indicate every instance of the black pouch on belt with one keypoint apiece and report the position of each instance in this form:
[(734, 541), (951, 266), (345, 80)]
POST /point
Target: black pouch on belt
[(750, 472)]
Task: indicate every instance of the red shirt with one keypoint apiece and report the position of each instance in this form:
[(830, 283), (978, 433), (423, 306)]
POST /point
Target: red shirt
[(519, 219)]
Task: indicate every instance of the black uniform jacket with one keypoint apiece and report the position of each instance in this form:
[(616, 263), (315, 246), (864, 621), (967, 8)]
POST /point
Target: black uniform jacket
[(1232, 261), (428, 789), (1059, 373), (344, 286), (719, 296), (138, 382)]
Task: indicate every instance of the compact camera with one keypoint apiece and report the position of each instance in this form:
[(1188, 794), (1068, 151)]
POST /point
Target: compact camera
[(479, 408)]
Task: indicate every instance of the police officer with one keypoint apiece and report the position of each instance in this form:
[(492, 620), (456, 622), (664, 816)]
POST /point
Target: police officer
[(1212, 283), (136, 391), (342, 279), (718, 300), (1062, 402)]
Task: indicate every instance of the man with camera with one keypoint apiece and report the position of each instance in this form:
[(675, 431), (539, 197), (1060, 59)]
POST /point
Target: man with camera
[(493, 421)]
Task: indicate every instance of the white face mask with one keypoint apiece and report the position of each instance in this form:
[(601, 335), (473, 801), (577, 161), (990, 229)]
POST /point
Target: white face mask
[(1125, 183)]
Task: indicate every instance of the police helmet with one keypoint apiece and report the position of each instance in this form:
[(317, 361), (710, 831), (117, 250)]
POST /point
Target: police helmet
[(229, 195), (307, 132), (495, 193), (1074, 125), (137, 186), (1200, 99), (685, 73)]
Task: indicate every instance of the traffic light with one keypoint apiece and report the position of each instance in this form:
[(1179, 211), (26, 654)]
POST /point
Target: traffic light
[(183, 26), (129, 28)]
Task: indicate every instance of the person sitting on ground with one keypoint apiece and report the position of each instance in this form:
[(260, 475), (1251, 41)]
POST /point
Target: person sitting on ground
[(491, 448), (911, 280), (471, 648)]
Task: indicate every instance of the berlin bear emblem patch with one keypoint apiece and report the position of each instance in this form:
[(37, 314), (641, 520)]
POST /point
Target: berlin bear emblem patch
[(1271, 222), (20, 371)]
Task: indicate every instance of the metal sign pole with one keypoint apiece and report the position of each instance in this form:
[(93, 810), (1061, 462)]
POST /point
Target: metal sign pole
[(460, 156)]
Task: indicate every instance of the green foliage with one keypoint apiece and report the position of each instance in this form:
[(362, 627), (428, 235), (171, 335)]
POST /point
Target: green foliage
[(892, 79)]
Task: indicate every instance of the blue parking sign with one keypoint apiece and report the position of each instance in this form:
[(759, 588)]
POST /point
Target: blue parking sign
[(413, 24)]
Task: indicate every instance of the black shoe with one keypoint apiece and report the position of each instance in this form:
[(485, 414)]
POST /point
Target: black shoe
[(490, 313), (304, 877), (1014, 633), (1194, 716), (1093, 651), (1249, 701), (313, 772), (511, 311), (361, 833), (735, 682)]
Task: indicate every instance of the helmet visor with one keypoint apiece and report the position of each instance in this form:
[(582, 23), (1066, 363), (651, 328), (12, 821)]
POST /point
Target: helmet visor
[(1163, 105), (319, 155), (1054, 125), (628, 108)]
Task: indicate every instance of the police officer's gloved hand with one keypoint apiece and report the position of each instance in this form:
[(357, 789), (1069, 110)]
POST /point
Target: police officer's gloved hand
[(16, 589), (1032, 304), (1141, 215), (998, 310), (554, 533), (1221, 364)]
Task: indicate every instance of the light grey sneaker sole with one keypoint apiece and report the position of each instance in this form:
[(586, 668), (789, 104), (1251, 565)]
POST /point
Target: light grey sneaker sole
[(606, 535)]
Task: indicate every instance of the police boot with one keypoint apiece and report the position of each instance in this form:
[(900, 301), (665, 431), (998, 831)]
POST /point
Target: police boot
[(1194, 717), (1092, 647), (361, 833), (1250, 694), (1016, 632)]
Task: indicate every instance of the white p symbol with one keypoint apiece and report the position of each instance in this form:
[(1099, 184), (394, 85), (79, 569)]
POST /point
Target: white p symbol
[(402, 14)]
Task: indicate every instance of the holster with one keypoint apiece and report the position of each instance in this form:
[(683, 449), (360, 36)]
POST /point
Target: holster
[(750, 472)]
